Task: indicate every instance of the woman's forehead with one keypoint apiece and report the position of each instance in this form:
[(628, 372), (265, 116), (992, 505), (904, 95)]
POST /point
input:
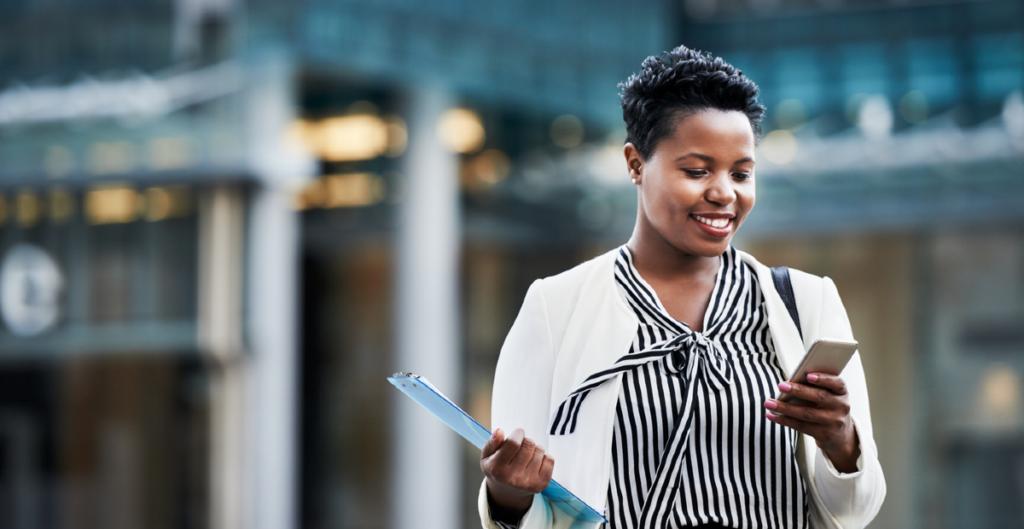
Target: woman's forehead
[(727, 133)]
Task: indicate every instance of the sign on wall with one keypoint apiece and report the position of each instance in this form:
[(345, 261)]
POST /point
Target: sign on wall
[(30, 290)]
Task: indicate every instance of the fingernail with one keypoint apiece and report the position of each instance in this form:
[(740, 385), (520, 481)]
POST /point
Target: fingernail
[(768, 415), (771, 405), (785, 386), (812, 377)]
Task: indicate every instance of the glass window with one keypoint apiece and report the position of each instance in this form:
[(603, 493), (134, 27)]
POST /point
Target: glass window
[(933, 69), (1000, 60), (798, 76), (865, 69)]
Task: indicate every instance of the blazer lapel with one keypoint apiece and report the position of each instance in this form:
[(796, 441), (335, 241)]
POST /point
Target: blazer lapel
[(600, 330)]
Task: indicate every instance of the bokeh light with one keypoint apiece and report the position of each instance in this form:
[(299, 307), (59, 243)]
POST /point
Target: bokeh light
[(461, 130), (780, 146), (567, 131)]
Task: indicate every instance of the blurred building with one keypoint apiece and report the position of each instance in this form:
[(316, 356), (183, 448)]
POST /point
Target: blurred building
[(225, 223), (222, 225)]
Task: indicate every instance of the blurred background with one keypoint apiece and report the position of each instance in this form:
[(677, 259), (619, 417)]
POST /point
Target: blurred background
[(223, 223)]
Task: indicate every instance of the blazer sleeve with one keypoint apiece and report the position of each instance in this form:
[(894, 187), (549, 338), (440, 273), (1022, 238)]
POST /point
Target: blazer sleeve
[(854, 499), (522, 395)]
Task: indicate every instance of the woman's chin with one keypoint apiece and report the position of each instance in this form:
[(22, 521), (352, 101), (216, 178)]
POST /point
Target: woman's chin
[(704, 248)]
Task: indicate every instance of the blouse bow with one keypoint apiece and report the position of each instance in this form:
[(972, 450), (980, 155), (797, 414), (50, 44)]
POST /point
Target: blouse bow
[(693, 357)]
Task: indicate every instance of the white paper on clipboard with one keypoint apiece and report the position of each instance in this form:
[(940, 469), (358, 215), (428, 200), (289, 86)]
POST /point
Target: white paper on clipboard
[(423, 392)]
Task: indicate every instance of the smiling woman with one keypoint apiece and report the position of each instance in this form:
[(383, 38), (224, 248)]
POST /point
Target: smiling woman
[(647, 378)]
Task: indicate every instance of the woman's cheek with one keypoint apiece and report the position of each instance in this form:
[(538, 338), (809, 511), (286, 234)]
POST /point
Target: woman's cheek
[(750, 192)]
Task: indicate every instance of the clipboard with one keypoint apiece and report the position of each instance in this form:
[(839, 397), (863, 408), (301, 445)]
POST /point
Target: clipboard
[(423, 392)]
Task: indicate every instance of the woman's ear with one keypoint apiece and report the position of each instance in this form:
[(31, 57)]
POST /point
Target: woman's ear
[(634, 163)]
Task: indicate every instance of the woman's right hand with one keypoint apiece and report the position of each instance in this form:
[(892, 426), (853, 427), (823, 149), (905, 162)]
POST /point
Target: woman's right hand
[(516, 468)]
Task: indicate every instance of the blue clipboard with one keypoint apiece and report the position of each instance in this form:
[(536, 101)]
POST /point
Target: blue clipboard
[(423, 392)]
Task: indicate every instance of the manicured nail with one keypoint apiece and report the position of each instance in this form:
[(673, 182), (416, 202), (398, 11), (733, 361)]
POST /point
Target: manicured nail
[(785, 386), (769, 416), (812, 377), (771, 405)]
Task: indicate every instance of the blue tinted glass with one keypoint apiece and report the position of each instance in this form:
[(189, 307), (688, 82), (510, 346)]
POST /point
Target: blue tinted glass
[(798, 76), (807, 93), (865, 69), (797, 64), (997, 84), (1000, 60), (999, 50), (932, 68)]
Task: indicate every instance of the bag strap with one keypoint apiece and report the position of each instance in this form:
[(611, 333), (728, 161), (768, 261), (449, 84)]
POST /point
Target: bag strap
[(784, 285)]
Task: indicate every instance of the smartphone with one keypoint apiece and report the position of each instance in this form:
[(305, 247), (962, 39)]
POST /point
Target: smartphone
[(825, 356)]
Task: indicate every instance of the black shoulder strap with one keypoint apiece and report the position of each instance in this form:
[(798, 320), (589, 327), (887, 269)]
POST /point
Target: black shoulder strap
[(784, 285)]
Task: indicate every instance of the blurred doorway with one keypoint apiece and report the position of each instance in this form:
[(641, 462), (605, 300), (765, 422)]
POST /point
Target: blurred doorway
[(346, 401), (104, 443)]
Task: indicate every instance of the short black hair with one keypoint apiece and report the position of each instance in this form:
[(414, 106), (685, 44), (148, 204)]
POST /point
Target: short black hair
[(678, 84)]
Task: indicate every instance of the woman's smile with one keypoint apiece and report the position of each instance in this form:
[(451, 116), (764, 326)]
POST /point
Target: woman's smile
[(714, 224)]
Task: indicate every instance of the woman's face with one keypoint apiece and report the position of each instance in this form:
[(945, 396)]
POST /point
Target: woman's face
[(697, 187)]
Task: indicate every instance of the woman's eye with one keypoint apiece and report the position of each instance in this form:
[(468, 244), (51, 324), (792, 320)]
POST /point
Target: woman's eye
[(695, 172), (741, 176)]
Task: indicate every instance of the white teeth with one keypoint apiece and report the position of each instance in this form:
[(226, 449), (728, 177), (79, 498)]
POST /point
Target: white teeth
[(714, 223)]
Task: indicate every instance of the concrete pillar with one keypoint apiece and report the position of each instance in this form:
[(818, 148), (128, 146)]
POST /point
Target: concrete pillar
[(273, 288), (221, 262), (427, 484)]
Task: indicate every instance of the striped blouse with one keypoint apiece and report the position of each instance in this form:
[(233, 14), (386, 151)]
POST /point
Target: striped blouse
[(733, 467), (691, 445)]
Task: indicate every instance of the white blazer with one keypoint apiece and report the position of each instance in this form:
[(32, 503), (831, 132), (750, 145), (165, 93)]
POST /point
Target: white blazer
[(576, 323)]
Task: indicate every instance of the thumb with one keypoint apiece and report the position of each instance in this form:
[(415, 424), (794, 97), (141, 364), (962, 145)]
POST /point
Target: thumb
[(492, 444)]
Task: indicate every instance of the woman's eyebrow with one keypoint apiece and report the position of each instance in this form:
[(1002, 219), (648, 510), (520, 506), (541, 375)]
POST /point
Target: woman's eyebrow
[(699, 156), (710, 159)]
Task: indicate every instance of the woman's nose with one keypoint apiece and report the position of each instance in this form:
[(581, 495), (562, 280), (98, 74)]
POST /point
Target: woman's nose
[(720, 190)]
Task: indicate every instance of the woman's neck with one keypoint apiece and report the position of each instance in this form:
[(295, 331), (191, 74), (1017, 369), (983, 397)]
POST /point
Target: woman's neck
[(656, 259)]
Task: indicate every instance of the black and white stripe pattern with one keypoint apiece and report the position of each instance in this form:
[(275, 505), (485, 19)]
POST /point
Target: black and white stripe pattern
[(712, 458)]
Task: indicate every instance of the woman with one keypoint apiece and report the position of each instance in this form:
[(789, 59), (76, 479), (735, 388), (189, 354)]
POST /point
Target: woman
[(651, 373)]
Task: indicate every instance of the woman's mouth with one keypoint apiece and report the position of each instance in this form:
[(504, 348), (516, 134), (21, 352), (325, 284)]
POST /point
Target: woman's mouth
[(717, 225)]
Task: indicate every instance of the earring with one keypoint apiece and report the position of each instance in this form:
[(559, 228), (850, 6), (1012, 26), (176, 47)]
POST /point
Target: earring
[(634, 179)]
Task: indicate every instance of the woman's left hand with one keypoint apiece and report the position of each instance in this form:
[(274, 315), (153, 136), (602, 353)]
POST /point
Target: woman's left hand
[(823, 412)]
